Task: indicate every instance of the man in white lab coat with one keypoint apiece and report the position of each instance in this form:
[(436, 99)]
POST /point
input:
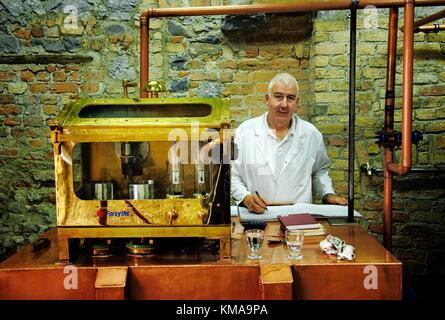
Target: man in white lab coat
[(280, 156)]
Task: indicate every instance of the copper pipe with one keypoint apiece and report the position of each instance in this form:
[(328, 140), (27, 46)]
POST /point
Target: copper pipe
[(430, 28), (389, 126), (387, 203), (144, 59), (300, 6), (296, 6), (427, 19), (391, 70), (407, 96)]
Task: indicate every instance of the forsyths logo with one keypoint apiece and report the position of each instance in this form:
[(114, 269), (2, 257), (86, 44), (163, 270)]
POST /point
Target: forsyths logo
[(118, 213)]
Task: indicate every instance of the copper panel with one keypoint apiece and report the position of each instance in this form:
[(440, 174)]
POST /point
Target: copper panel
[(204, 282), (46, 284), (346, 282)]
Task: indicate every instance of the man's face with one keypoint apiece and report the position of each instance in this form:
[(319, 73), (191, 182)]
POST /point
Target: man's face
[(281, 103)]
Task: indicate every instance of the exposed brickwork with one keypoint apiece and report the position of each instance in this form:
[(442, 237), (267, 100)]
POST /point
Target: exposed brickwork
[(191, 54)]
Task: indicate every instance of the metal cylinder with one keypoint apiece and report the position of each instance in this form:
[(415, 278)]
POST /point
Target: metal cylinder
[(175, 178), (139, 191), (104, 190)]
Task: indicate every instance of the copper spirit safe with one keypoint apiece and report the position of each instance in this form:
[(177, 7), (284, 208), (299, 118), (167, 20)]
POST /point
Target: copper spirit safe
[(142, 169)]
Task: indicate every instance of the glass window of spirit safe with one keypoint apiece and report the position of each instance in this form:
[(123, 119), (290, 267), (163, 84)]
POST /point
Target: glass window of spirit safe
[(143, 168)]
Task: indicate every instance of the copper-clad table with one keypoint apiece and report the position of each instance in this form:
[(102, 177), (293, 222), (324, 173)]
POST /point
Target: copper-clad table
[(374, 274)]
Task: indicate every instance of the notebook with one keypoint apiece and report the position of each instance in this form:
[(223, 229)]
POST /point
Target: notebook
[(301, 221)]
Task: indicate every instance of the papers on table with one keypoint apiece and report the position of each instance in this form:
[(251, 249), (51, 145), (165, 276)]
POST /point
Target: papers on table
[(317, 210)]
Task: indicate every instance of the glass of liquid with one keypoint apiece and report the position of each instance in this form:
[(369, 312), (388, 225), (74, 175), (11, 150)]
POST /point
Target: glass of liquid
[(294, 241), (254, 239)]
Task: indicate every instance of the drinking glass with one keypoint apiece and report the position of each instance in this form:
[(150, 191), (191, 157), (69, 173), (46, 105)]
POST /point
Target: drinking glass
[(294, 241), (254, 239)]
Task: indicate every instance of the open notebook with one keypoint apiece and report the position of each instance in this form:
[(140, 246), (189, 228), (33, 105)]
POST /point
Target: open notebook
[(272, 213)]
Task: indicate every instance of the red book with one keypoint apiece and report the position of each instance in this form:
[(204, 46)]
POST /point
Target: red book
[(298, 222)]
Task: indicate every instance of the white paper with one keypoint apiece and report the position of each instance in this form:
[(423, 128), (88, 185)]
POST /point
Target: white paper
[(323, 210)]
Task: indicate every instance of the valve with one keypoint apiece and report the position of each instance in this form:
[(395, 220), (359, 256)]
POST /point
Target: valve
[(394, 138), (416, 137), (368, 169)]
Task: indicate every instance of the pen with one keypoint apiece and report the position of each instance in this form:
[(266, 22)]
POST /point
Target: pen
[(256, 192)]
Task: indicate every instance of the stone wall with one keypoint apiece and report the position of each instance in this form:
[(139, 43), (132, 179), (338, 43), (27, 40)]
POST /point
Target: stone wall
[(94, 45)]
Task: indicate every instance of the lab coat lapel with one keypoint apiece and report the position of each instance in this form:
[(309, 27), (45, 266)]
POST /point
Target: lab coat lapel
[(295, 147), (260, 139)]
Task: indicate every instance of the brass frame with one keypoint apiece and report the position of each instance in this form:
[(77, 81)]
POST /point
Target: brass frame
[(74, 215)]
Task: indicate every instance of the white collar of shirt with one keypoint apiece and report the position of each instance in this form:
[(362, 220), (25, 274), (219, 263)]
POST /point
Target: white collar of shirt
[(271, 132), (274, 150)]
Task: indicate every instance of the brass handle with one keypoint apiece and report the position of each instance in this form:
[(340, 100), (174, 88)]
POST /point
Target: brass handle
[(125, 84), (172, 215)]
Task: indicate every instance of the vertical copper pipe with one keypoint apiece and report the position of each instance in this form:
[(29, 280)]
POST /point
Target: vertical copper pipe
[(407, 97), (389, 126), (144, 62)]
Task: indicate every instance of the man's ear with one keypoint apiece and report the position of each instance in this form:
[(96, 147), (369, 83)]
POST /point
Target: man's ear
[(266, 97), (297, 100)]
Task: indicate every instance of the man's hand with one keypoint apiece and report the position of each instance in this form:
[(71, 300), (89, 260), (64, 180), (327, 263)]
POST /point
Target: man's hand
[(333, 199), (254, 203)]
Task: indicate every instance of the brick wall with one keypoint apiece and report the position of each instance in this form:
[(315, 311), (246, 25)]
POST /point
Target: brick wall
[(222, 56)]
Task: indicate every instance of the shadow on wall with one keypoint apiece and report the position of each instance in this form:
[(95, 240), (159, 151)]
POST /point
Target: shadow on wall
[(284, 28)]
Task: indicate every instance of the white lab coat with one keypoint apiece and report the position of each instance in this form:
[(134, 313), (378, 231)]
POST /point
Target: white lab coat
[(305, 164)]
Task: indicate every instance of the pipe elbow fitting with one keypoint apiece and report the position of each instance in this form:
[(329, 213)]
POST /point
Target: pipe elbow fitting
[(401, 170)]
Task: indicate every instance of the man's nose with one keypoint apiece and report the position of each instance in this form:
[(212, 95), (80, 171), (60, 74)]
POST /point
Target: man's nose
[(284, 102)]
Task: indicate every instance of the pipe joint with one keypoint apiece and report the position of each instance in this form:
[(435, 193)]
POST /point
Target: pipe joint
[(401, 170), (389, 94)]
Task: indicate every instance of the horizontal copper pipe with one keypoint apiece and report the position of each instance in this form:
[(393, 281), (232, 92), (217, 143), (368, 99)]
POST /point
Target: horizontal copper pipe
[(295, 6), (428, 19), (430, 28), (407, 96)]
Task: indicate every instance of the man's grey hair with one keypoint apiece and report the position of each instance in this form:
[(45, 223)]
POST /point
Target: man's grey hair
[(285, 78)]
